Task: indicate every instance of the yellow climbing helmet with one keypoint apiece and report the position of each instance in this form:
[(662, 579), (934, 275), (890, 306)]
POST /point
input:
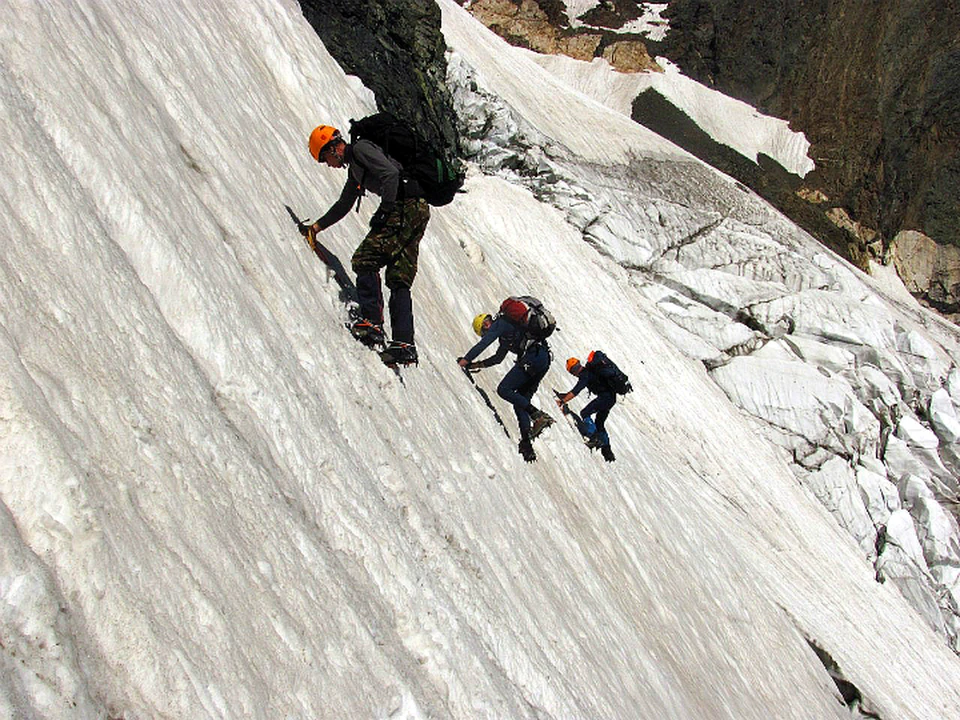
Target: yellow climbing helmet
[(322, 136), (478, 323)]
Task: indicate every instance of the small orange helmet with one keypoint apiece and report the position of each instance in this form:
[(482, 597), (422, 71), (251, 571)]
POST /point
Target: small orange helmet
[(321, 136), (572, 363)]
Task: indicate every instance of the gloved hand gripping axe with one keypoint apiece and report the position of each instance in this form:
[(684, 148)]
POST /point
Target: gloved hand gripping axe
[(309, 234)]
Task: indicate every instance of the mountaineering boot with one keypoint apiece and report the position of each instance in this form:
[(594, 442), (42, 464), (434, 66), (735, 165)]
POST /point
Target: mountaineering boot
[(367, 333), (400, 353), (541, 421), (595, 438), (593, 441), (526, 449), (607, 453)]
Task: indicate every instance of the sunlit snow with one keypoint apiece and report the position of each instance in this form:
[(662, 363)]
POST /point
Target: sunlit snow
[(217, 505), (650, 24), (728, 121)]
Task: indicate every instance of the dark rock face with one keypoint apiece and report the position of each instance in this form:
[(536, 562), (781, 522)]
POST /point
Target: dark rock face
[(397, 49), (875, 86)]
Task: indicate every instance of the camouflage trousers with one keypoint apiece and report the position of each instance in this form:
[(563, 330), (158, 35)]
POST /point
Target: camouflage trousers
[(395, 246)]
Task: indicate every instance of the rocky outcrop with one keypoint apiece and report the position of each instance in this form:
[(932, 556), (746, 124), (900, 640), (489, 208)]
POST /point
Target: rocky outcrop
[(526, 24), (629, 56), (543, 26), (397, 49), (874, 86), (930, 270)]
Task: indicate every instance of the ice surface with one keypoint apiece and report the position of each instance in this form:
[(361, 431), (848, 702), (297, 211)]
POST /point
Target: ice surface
[(218, 505)]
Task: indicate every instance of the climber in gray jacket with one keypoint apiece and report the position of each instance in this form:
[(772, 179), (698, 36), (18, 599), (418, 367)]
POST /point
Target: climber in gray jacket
[(393, 241)]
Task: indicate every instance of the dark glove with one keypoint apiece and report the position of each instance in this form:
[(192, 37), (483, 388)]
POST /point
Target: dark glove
[(380, 217)]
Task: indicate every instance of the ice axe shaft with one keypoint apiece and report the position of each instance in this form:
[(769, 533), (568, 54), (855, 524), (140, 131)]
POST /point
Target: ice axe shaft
[(486, 400)]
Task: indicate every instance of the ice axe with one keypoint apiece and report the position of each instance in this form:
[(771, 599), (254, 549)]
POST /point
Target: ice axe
[(486, 400), (308, 232), (302, 226)]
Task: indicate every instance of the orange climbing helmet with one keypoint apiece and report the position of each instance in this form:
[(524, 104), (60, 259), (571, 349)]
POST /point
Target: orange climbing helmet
[(322, 136), (572, 364)]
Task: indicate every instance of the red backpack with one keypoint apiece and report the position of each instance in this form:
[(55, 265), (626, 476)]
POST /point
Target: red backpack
[(528, 313)]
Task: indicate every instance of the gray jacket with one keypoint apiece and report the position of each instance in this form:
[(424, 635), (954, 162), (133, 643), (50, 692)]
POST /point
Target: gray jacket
[(368, 168)]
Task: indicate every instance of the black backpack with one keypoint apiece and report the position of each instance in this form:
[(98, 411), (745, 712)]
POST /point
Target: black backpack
[(440, 177), (605, 369), (528, 312)]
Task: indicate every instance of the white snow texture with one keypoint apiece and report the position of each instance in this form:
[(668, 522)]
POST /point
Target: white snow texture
[(215, 504)]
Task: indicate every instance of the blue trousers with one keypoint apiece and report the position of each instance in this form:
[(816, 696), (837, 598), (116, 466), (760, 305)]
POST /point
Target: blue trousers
[(522, 381), (600, 406)]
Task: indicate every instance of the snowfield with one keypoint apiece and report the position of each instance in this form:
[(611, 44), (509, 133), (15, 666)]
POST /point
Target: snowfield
[(215, 504)]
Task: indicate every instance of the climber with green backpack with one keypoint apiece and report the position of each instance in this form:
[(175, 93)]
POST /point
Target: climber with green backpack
[(385, 157)]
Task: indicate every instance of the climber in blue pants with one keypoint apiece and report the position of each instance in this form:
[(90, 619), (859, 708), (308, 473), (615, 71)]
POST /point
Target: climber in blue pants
[(594, 430), (523, 379)]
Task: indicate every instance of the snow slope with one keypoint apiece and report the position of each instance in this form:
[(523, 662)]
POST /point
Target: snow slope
[(217, 505)]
